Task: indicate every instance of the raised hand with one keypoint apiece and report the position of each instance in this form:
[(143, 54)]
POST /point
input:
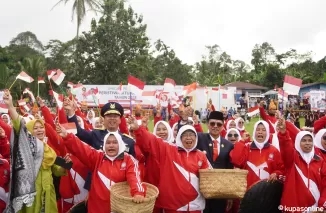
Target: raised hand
[(40, 101), (7, 98), (133, 123), (60, 130), (281, 126)]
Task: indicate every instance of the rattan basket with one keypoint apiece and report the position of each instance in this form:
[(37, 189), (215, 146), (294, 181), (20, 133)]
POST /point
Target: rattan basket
[(223, 183), (121, 200)]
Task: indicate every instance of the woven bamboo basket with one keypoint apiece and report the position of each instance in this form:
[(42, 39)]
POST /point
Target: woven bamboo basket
[(223, 183), (121, 200)]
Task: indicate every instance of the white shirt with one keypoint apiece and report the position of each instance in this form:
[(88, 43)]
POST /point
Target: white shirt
[(218, 143)]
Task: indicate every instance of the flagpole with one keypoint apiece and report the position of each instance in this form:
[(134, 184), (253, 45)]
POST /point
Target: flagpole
[(219, 96), (12, 84), (38, 88), (282, 103)]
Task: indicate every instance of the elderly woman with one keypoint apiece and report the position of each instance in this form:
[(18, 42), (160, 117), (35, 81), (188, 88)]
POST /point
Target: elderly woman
[(240, 126), (31, 186), (305, 183), (179, 168), (233, 135), (110, 166), (262, 160)]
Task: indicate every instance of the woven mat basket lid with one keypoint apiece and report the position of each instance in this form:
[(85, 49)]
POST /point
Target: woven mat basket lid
[(121, 200)]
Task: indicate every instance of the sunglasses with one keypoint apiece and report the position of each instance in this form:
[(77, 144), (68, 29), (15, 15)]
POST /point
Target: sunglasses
[(233, 135), (218, 124)]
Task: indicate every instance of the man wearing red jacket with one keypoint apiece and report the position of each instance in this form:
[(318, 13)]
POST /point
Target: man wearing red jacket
[(271, 117)]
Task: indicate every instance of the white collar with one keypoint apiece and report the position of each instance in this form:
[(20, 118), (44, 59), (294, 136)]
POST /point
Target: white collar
[(218, 139)]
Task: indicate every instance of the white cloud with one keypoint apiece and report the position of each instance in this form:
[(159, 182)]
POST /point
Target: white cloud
[(188, 25)]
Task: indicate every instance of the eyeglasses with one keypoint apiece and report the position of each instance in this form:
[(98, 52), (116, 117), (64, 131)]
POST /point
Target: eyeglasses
[(324, 138), (241, 122), (188, 135), (218, 124), (233, 135)]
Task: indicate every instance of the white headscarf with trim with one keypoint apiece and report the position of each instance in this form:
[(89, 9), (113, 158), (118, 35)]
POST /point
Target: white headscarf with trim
[(228, 124), (237, 131), (170, 138), (122, 145), (317, 139), (91, 121), (182, 130), (6, 115), (237, 124), (306, 156), (265, 124)]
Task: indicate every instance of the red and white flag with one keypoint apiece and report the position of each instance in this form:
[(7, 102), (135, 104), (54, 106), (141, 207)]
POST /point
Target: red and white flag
[(169, 85), (189, 89), (21, 102), (253, 111), (51, 73), (135, 85), (70, 85), (3, 108), (58, 98), (27, 107), (78, 86), (120, 88), (282, 94), (40, 80), (292, 85), (58, 78), (70, 127), (25, 77), (29, 93)]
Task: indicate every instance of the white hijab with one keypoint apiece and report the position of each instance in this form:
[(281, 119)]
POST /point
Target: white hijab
[(6, 115), (170, 138), (91, 121), (228, 124), (306, 156), (94, 121), (317, 139), (81, 122), (122, 145), (173, 127), (275, 141), (237, 124), (237, 131), (178, 139), (265, 124)]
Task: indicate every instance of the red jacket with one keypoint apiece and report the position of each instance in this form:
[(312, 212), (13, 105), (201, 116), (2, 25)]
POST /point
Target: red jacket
[(260, 163), (320, 153), (5, 148), (6, 128), (4, 181), (174, 120), (177, 171), (319, 124), (105, 173), (295, 192), (157, 119), (271, 120), (123, 127)]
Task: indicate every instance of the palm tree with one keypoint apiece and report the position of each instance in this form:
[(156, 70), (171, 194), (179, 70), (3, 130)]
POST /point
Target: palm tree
[(79, 9)]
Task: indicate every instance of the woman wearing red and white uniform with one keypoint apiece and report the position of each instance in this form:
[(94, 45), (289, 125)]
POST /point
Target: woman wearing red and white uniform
[(320, 143), (240, 126), (305, 181), (262, 160), (108, 167), (179, 168)]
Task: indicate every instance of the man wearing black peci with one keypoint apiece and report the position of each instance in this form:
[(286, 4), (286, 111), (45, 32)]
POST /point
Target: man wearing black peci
[(217, 150)]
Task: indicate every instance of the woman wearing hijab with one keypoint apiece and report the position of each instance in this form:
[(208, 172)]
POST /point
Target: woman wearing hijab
[(108, 167), (6, 118), (240, 126), (233, 135), (31, 186), (262, 160), (179, 168), (98, 123), (305, 181), (320, 143), (175, 131), (91, 118)]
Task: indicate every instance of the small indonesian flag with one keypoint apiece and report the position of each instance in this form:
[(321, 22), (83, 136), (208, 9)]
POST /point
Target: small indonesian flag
[(70, 127), (3, 108), (189, 88), (135, 85), (78, 86), (41, 80), (120, 88), (21, 102), (25, 77), (27, 107), (70, 85), (58, 98), (30, 94), (51, 73), (253, 111), (169, 85), (292, 85), (58, 78), (282, 94)]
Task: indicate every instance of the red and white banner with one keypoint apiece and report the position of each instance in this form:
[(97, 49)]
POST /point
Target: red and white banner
[(58, 77), (25, 77), (169, 85), (292, 85)]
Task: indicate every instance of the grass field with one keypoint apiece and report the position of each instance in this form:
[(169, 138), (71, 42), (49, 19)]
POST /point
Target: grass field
[(249, 126)]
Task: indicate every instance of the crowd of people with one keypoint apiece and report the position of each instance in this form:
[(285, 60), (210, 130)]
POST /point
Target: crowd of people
[(47, 167)]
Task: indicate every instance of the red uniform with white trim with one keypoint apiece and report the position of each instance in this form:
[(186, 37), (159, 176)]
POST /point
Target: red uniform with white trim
[(179, 173), (271, 120), (305, 184), (105, 173), (260, 163)]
